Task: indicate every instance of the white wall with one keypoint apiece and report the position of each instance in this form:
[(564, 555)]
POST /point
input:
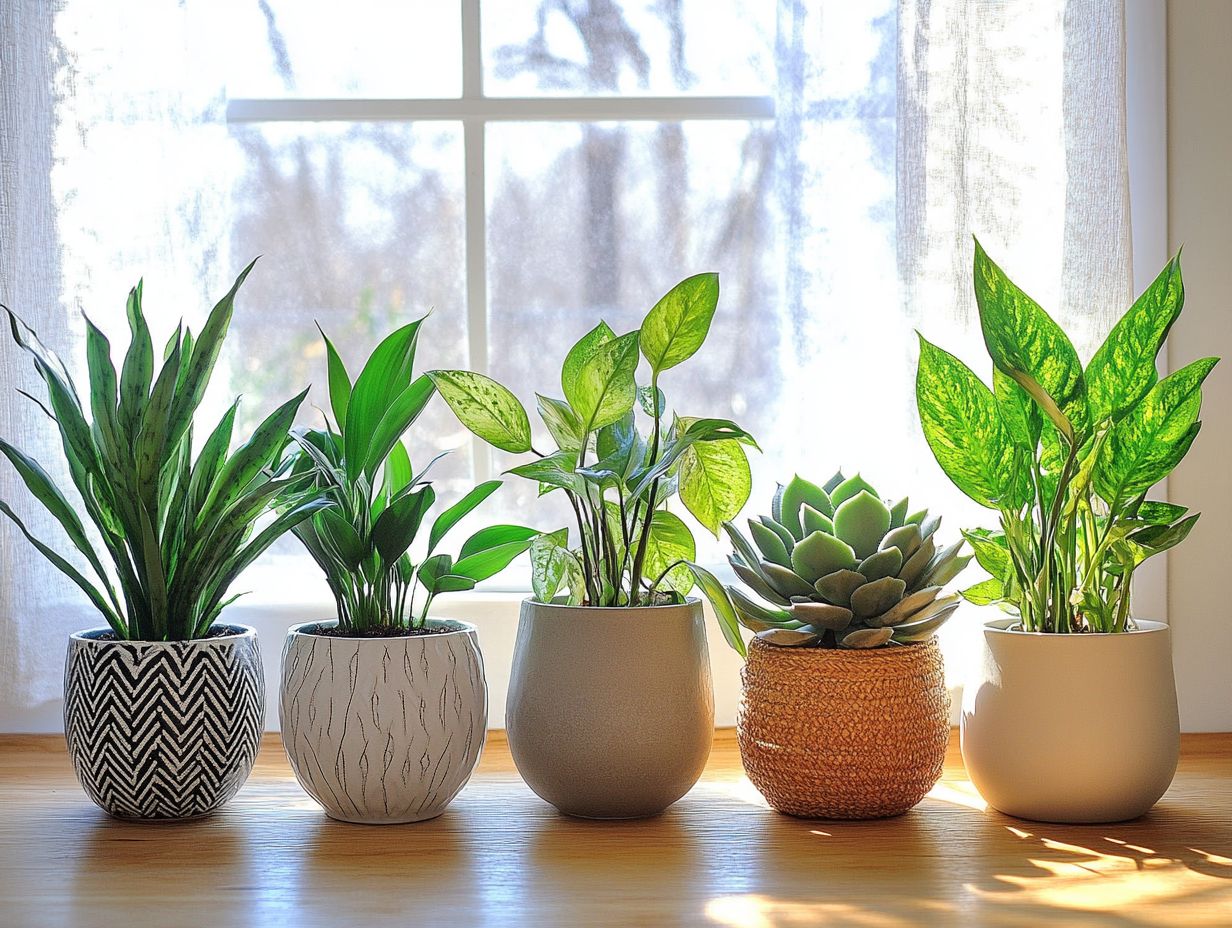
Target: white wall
[(1200, 218)]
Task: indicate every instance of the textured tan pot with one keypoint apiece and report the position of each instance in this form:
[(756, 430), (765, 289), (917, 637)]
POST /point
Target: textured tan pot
[(1072, 728), (828, 733), (610, 711)]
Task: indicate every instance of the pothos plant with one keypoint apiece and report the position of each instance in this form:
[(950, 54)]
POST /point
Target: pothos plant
[(630, 549), (1065, 454), (177, 531), (362, 542)]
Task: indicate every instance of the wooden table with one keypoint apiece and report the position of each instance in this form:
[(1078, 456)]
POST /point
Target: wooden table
[(500, 856)]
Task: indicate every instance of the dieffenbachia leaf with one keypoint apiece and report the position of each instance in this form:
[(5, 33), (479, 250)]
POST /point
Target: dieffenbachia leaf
[(670, 541), (965, 430), (1026, 344), (715, 481), (604, 389), (677, 325), (562, 423), (485, 407)]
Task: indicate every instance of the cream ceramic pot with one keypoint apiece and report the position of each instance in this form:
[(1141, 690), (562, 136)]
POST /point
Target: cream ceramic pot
[(610, 712), (1072, 728), (383, 731)]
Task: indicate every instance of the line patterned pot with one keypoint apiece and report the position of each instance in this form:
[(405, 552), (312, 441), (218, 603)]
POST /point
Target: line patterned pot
[(163, 729), (383, 731), (843, 734), (610, 712)]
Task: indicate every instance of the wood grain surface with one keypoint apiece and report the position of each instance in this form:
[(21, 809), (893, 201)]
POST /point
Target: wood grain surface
[(500, 856)]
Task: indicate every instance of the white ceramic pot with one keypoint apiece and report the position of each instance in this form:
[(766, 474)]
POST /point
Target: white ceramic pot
[(163, 729), (382, 731), (1072, 728)]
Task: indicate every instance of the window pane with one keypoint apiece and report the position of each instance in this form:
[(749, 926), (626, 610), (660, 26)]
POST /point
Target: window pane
[(363, 48), (598, 221), (605, 47)]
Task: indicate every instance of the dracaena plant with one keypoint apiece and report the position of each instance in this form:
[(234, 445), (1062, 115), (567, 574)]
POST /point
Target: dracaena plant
[(176, 531), (362, 542), (835, 566), (1065, 454), (619, 458)]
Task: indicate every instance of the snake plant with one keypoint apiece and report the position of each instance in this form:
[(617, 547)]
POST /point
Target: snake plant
[(176, 531)]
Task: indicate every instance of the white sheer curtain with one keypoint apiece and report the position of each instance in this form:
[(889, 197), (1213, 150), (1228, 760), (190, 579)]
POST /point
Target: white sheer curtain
[(901, 130)]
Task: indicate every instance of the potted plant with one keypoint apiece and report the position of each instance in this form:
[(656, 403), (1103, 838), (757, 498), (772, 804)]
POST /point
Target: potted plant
[(383, 709), (163, 708), (1073, 717), (844, 711), (610, 711)]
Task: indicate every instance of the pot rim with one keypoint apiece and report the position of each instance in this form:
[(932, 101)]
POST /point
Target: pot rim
[(1145, 627), (455, 626), (689, 601), (238, 633)]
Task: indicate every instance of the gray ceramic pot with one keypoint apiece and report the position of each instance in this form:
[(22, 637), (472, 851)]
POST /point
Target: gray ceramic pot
[(163, 729), (1072, 728), (610, 712)]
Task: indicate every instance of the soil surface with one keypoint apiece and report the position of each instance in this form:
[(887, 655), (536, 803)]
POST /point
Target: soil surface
[(216, 631), (384, 631)]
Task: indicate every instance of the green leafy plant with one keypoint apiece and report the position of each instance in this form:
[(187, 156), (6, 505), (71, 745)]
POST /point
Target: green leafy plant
[(631, 549), (362, 541), (1065, 454), (835, 566), (177, 532)]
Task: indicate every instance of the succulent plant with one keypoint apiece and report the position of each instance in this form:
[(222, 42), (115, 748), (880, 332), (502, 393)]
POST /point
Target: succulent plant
[(835, 566)]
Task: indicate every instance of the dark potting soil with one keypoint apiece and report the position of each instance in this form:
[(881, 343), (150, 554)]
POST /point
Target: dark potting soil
[(383, 631), (216, 631)]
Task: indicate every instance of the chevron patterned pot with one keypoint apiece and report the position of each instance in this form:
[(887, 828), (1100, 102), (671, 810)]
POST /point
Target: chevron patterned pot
[(163, 729), (383, 731)]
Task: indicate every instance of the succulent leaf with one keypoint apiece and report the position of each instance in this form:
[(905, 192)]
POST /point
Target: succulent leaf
[(905, 610), (785, 581), (862, 522), (789, 541), (875, 598), (811, 520), (930, 526), (917, 518), (913, 570), (751, 611), (885, 563), (830, 485), (849, 489), (823, 615), (761, 586), (945, 566), (865, 638), (906, 538), (770, 544), (837, 587), (798, 492), (921, 629), (788, 637), (820, 554), (898, 513)]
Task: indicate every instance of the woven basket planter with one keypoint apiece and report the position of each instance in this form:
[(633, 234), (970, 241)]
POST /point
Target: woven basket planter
[(828, 733)]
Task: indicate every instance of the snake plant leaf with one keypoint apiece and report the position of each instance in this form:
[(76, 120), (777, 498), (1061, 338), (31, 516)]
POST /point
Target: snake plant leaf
[(849, 489), (397, 526), (604, 389), (906, 538), (898, 513), (715, 481), (865, 638), (836, 588), (562, 423), (788, 582), (770, 544), (455, 513), (137, 372), (908, 606), (1026, 344), (757, 581), (818, 555), (104, 386), (1152, 437), (877, 597), (797, 493), (339, 381), (398, 417), (1123, 369), (789, 637), (822, 615), (885, 563), (485, 407), (387, 372), (813, 521), (861, 521), (985, 593), (677, 325), (724, 611), (923, 628), (915, 566), (964, 428)]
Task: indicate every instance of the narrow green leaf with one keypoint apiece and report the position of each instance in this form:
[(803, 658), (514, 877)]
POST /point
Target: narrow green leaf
[(397, 526), (138, 370), (484, 555), (339, 381), (455, 513), (387, 373), (401, 414), (724, 611)]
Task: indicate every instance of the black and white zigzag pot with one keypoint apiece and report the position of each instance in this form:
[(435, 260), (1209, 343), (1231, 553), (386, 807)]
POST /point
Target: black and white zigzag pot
[(163, 729), (383, 731)]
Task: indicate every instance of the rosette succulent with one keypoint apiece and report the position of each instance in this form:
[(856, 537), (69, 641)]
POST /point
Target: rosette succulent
[(836, 566)]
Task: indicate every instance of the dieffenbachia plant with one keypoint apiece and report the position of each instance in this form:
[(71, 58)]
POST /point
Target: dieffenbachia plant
[(362, 542), (177, 532), (631, 550), (836, 566), (1065, 454)]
